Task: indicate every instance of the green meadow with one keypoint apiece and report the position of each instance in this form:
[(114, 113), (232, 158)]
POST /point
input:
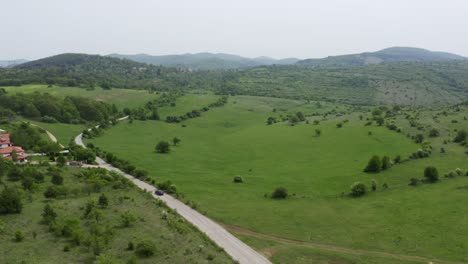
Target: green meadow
[(428, 220)]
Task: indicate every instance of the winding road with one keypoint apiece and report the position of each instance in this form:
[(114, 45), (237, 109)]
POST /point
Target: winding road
[(237, 249)]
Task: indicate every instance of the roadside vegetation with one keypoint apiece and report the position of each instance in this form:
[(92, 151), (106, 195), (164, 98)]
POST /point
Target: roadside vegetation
[(48, 214)]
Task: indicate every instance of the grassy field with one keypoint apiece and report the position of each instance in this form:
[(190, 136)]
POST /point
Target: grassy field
[(175, 240), (120, 97), (427, 220), (63, 132)]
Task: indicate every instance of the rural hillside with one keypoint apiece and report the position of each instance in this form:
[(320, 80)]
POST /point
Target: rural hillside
[(431, 81), (205, 61), (393, 54)]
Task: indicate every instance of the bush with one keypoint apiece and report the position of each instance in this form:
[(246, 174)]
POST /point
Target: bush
[(163, 147), (431, 174), (10, 202), (414, 182), (280, 193), (358, 189), (386, 163), (19, 236), (55, 191), (127, 219), (460, 137), (145, 249), (238, 179), (374, 165), (434, 133), (57, 179)]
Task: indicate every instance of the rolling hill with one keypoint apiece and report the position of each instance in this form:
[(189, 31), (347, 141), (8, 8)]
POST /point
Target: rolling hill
[(87, 71), (205, 61), (394, 54)]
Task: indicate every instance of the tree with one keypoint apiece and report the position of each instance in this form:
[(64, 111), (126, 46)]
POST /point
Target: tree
[(103, 201), (293, 120), (14, 156), (61, 160), (271, 120), (419, 138), (460, 137), (374, 165), (10, 202), (280, 193), (300, 116), (176, 141), (318, 132), (386, 163), (431, 174), (48, 214), (27, 183), (379, 120), (434, 132), (358, 189), (155, 114), (163, 147), (57, 179)]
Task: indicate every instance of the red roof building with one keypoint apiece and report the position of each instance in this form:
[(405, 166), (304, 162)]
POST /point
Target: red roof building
[(7, 149)]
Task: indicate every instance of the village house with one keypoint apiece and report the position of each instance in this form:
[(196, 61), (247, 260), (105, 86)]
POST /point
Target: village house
[(7, 149)]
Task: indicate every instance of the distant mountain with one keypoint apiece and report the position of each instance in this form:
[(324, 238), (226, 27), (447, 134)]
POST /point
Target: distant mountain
[(205, 61), (11, 63), (394, 54)]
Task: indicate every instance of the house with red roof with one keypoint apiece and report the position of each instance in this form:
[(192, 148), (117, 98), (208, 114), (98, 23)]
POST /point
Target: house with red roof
[(7, 149)]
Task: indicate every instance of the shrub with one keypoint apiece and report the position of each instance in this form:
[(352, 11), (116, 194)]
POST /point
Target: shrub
[(57, 179), (434, 133), (358, 189), (386, 163), (431, 174), (280, 193), (374, 165), (48, 214), (163, 147), (460, 137), (103, 201), (10, 202), (130, 246), (19, 236), (127, 219), (419, 138), (414, 182), (459, 171), (374, 185), (145, 249), (238, 179)]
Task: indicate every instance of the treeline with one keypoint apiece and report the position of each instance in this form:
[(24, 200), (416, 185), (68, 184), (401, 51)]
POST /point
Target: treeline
[(150, 110), (51, 109), (197, 112)]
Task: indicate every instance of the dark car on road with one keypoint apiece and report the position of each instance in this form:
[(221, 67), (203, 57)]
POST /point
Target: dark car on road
[(159, 192)]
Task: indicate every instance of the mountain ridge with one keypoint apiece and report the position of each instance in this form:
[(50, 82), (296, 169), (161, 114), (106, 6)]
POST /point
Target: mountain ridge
[(392, 54)]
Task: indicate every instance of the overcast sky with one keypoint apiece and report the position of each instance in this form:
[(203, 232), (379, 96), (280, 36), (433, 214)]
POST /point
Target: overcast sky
[(289, 28)]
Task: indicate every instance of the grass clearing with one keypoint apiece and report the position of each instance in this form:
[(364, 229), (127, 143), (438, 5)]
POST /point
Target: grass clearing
[(234, 140)]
